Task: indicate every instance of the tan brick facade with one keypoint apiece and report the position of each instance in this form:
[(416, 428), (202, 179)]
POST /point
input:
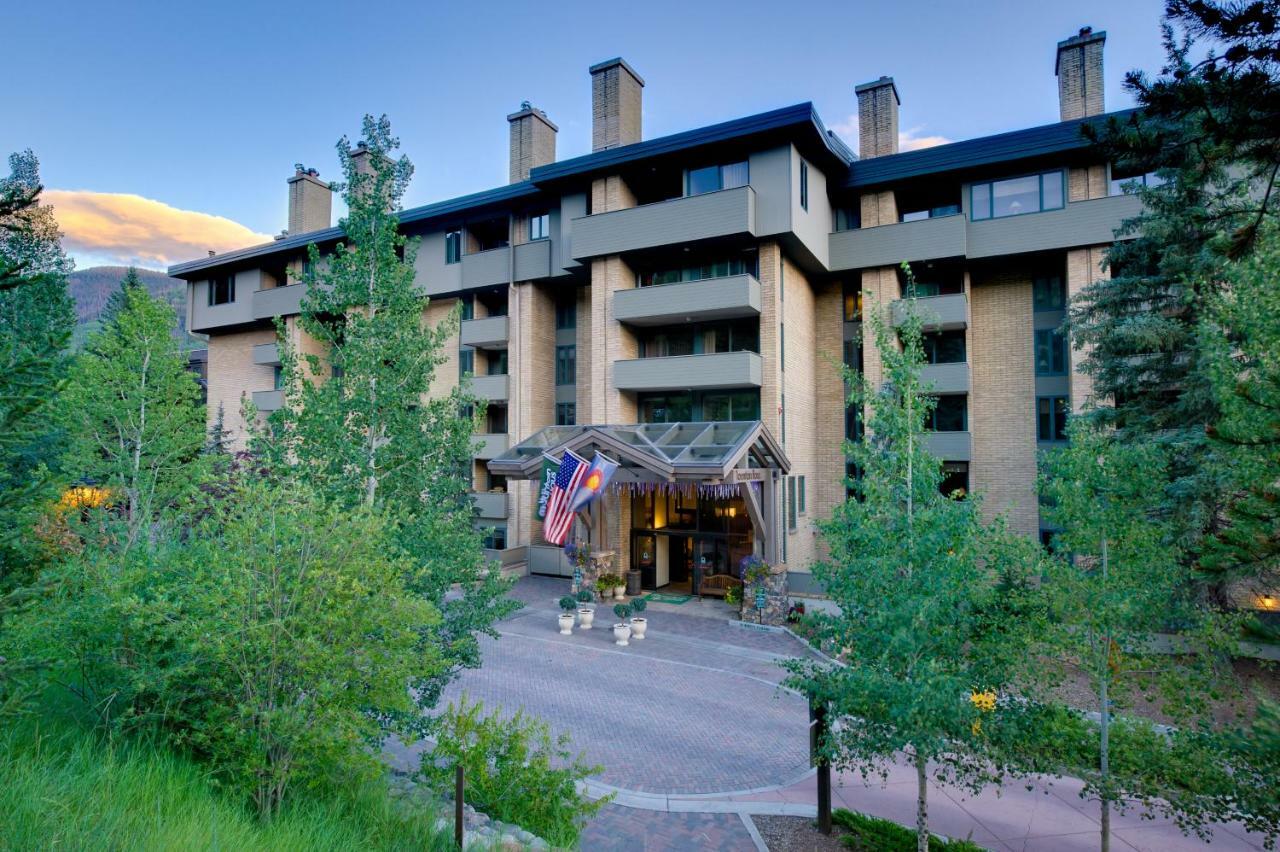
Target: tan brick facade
[(233, 377), (1084, 266), (616, 104), (1079, 70)]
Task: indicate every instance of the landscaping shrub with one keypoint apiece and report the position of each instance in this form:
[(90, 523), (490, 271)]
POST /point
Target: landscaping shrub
[(871, 834), (515, 771)]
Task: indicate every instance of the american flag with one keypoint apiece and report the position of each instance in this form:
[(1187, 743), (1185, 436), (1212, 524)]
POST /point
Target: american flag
[(559, 518)]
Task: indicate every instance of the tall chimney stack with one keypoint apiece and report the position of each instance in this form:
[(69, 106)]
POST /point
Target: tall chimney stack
[(1079, 70), (310, 201), (877, 118), (616, 94), (533, 141)]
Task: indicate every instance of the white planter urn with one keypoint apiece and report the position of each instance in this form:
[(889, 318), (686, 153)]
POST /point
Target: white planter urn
[(621, 634), (619, 592), (566, 623), (638, 625), (586, 617)]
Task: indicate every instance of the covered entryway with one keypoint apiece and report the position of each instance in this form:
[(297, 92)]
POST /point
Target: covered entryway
[(689, 500)]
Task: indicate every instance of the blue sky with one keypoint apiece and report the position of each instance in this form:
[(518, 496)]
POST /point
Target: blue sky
[(205, 107)]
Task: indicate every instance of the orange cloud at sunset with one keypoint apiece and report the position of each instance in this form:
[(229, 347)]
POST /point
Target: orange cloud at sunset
[(122, 229)]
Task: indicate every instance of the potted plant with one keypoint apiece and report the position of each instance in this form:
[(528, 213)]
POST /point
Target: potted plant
[(622, 630), (568, 604), (619, 586), (638, 623), (604, 586), (586, 615)]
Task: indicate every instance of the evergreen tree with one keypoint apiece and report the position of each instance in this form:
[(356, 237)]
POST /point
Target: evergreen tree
[(934, 604), (36, 320), (116, 301), (364, 428), (132, 414)]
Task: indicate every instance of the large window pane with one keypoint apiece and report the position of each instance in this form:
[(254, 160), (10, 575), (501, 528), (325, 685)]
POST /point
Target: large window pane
[(1016, 196), (1051, 352), (716, 407), (734, 174), (980, 202), (1052, 190), (950, 414), (944, 347), (704, 180)]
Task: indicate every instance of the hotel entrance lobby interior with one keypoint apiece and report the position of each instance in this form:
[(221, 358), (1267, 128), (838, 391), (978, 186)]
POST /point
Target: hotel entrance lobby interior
[(689, 500)]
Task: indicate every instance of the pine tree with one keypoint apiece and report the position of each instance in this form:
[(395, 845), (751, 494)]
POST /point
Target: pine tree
[(36, 321), (364, 428)]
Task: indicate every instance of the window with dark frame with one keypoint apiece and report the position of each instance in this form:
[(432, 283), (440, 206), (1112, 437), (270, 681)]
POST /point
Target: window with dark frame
[(566, 315), (949, 414), (791, 502), (1050, 352), (1048, 294), (222, 290), (539, 226), (566, 365), (715, 178), (453, 246), (804, 186), (468, 306), (466, 362), (1051, 418), (1017, 196), (566, 414), (800, 494)]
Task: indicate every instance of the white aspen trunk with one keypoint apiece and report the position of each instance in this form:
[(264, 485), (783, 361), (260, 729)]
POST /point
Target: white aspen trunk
[(1104, 721), (922, 804)]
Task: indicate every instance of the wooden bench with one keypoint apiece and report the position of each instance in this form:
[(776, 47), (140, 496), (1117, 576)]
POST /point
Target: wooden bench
[(717, 585)]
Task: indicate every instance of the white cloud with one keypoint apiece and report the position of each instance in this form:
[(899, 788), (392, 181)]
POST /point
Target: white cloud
[(910, 139), (122, 229)]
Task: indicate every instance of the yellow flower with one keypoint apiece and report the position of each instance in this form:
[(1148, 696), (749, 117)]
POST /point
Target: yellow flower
[(984, 701)]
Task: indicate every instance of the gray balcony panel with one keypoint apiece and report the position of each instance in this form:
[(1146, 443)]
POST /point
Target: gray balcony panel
[(936, 312), (728, 212), (491, 504), (889, 245), (206, 317), (491, 388), (718, 370), (490, 446), (270, 400), (278, 301), (266, 354), (486, 268), (533, 260), (949, 446), (946, 378), (485, 333), (717, 298), (1080, 223)]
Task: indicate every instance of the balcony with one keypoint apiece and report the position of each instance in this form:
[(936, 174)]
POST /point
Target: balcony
[(689, 372), (486, 268), (938, 313), (490, 388), (269, 400), (490, 504), (727, 213), (1080, 223), (486, 333), (949, 446), (490, 446), (278, 301), (946, 378), (692, 301), (533, 260), (889, 245), (266, 354)]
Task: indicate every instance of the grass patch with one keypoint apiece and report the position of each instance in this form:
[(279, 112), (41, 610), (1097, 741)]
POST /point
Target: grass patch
[(63, 786), (871, 834)]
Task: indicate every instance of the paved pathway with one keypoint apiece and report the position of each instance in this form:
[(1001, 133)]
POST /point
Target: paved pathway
[(695, 735)]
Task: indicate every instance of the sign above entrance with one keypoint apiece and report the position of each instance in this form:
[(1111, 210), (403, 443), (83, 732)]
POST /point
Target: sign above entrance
[(747, 474)]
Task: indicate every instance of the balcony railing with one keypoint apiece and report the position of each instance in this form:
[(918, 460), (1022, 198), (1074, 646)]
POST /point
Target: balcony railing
[(693, 301), (936, 312), (491, 388), (729, 212), (485, 333), (486, 268), (889, 245), (490, 446), (278, 301), (949, 446), (266, 354), (946, 378), (268, 400), (685, 372), (490, 504)]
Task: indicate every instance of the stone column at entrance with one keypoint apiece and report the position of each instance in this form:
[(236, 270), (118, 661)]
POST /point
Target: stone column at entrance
[(776, 602)]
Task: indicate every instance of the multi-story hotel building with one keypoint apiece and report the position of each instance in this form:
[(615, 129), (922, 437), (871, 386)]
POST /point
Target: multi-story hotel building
[(717, 276)]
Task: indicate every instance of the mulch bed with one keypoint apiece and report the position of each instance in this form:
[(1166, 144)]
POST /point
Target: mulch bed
[(798, 834)]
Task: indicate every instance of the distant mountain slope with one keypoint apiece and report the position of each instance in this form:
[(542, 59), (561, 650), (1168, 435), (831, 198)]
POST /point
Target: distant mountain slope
[(90, 288)]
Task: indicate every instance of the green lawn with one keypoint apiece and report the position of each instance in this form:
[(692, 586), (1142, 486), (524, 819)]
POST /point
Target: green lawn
[(62, 786)]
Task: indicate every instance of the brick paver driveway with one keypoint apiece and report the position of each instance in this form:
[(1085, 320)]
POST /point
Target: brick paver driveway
[(693, 708)]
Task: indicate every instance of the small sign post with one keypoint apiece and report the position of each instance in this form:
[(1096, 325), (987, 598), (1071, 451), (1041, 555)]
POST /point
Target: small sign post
[(817, 733)]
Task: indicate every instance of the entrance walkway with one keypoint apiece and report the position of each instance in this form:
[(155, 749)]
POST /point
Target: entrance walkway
[(696, 735)]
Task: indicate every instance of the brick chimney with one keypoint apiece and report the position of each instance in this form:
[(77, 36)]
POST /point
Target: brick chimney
[(877, 118), (1079, 71), (616, 94), (533, 141), (310, 201)]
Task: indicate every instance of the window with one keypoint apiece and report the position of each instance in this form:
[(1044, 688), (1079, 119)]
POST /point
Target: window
[(1126, 180), (853, 354), (852, 303), (782, 415), (848, 218), (1015, 196), (496, 415), (804, 185), (716, 178), (566, 315), (1048, 294), (700, 339), (277, 377), (540, 226), (497, 363), (468, 307), (929, 213), (716, 406), (724, 407), (566, 414), (222, 290), (791, 502), (951, 414), (933, 278), (493, 538), (453, 246), (1051, 352), (955, 479), (782, 346), (944, 347), (717, 267), (466, 362), (1051, 418), (800, 494), (566, 365)]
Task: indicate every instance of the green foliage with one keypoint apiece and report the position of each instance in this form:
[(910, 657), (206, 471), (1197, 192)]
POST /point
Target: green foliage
[(871, 834), (623, 611), (568, 603), (733, 595), (934, 603), (639, 605), (514, 770), (63, 786), (585, 596), (606, 583), (131, 410), (36, 320), (374, 435), (274, 638)]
